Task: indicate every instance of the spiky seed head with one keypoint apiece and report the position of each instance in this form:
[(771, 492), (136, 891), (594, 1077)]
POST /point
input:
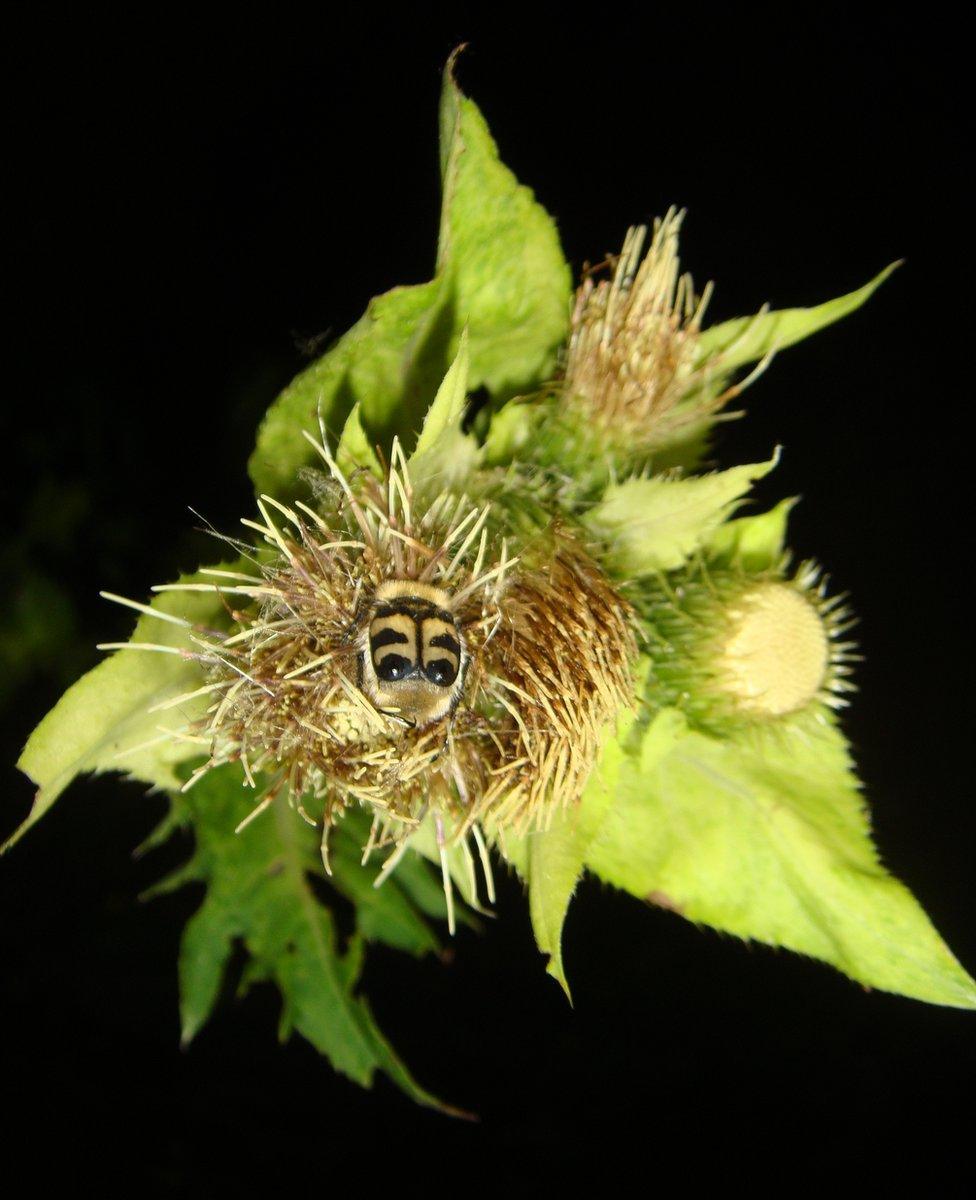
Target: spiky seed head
[(732, 648), (556, 674), (536, 649), (297, 706)]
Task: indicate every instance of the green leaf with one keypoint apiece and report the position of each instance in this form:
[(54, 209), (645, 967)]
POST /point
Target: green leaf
[(551, 860), (555, 866), (747, 339), (498, 245), (443, 419), (354, 451), (656, 524), (500, 272), (511, 431), (259, 892), (105, 722), (387, 913), (393, 357), (445, 456), (765, 836), (753, 543)]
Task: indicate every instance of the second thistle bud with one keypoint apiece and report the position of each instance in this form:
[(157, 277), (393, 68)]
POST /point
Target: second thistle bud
[(732, 648)]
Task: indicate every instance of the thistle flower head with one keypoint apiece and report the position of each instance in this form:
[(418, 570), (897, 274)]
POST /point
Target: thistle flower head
[(630, 363), (774, 657), (391, 651), (558, 673), (733, 648)]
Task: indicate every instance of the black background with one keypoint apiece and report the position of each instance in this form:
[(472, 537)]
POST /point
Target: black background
[(195, 200)]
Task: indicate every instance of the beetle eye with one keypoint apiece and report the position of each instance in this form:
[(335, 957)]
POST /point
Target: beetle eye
[(441, 672), (392, 667)]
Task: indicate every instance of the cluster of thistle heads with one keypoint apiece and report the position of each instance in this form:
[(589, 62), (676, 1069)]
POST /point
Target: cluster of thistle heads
[(457, 654)]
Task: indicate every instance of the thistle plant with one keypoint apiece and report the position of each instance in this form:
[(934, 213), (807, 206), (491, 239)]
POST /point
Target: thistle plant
[(533, 635)]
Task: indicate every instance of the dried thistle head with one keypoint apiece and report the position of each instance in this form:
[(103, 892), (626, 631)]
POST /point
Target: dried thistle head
[(556, 675), (632, 366), (391, 651)]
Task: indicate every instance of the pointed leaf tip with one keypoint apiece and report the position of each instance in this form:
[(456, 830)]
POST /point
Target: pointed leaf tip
[(765, 835), (551, 861), (259, 893), (655, 524), (105, 722), (500, 270), (744, 340)]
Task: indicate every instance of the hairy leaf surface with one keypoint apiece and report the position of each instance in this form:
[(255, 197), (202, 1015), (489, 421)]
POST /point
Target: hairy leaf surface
[(753, 543), (259, 892), (500, 271), (656, 524), (106, 722), (765, 835)]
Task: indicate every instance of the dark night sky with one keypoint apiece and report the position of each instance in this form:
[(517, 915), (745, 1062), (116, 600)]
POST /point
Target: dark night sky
[(192, 201)]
